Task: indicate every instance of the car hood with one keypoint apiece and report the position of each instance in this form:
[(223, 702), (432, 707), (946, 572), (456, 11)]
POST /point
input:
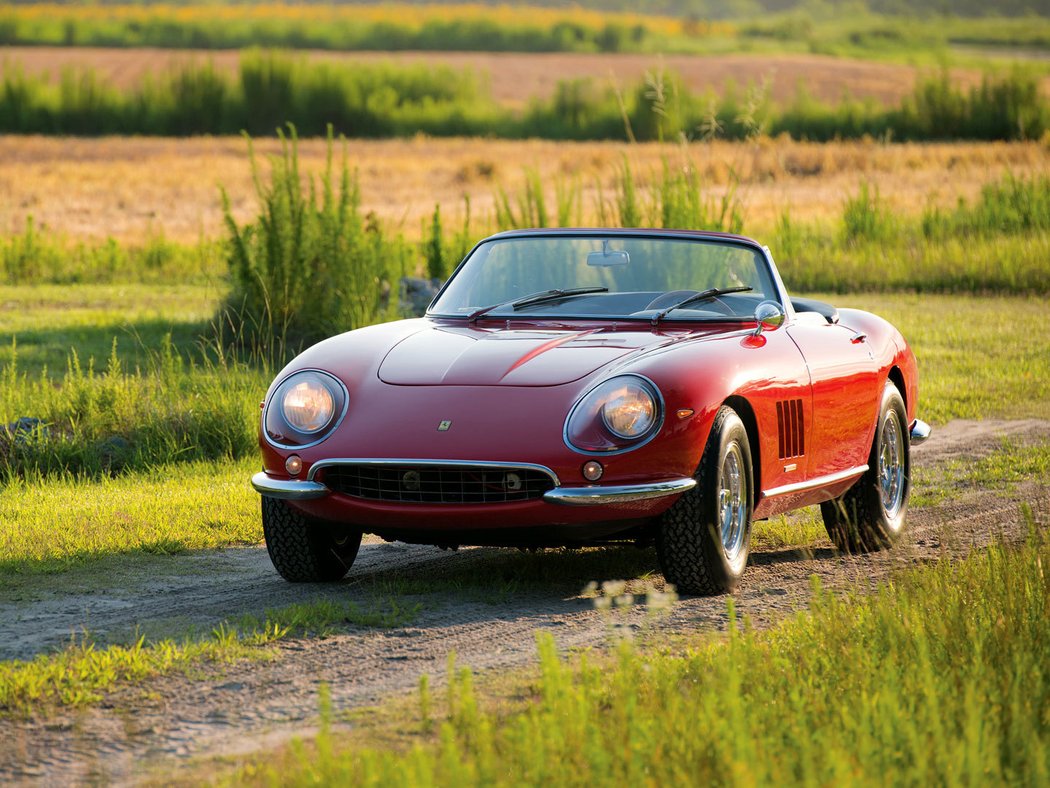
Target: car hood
[(469, 356)]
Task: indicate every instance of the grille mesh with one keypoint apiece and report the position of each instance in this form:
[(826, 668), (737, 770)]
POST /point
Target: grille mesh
[(437, 484)]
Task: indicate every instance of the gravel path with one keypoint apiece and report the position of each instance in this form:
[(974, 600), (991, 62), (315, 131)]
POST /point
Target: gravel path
[(477, 604)]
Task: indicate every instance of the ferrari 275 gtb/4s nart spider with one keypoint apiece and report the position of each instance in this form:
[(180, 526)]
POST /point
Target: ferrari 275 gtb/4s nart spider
[(574, 387)]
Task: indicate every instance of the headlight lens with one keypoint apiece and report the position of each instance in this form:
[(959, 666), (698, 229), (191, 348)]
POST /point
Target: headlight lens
[(630, 411), (308, 406), (304, 408), (618, 414)]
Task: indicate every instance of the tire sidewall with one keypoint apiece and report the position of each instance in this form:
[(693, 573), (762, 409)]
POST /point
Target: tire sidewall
[(732, 431), (892, 401)]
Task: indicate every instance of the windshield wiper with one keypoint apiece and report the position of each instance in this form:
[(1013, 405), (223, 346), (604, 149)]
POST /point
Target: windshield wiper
[(535, 298), (704, 295)]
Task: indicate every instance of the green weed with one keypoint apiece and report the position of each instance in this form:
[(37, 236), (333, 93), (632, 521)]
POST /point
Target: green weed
[(103, 420), (310, 266), (80, 674), (321, 617)]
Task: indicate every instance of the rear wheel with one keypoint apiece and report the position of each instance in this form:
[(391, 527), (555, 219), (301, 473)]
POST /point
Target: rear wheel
[(306, 550), (704, 538), (870, 515)]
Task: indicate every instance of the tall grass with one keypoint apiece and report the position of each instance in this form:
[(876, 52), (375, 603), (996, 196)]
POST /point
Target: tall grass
[(377, 100), (268, 89), (1014, 205), (38, 255), (1000, 243), (310, 265), (104, 420), (861, 689)]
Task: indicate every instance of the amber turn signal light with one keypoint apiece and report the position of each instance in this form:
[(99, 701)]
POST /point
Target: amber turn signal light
[(592, 470)]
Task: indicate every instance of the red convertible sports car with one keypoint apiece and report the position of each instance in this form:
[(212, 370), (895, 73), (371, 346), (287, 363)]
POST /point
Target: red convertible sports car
[(572, 387)]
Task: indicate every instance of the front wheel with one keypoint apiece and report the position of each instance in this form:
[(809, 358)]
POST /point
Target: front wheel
[(305, 550), (870, 515), (704, 538)]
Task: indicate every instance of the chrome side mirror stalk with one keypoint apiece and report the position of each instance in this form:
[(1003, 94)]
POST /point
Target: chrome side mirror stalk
[(769, 317)]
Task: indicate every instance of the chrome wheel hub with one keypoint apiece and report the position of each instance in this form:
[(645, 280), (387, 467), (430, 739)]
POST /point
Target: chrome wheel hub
[(891, 465), (732, 503)]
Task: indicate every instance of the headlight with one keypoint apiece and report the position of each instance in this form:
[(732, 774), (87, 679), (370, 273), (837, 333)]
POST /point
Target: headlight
[(629, 411), (304, 409), (621, 413), (308, 406)]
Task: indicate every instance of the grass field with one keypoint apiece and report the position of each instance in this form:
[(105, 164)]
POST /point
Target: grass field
[(517, 77), (138, 190)]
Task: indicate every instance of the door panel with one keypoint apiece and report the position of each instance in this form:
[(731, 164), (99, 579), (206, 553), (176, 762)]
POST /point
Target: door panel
[(844, 379), (781, 401)]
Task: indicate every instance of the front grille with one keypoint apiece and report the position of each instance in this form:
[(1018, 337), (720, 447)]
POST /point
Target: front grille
[(437, 483)]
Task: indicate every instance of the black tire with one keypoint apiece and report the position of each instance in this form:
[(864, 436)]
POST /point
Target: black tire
[(690, 540), (863, 519), (305, 550)]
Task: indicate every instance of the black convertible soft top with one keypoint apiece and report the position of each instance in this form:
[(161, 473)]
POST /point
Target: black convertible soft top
[(830, 313)]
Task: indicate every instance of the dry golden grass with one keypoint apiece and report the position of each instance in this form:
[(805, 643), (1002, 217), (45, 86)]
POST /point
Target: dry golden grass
[(128, 188), (515, 77)]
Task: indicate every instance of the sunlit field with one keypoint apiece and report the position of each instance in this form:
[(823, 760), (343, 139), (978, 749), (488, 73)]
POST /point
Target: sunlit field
[(135, 189), (152, 285)]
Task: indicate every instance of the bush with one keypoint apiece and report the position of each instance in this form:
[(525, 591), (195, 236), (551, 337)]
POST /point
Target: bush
[(310, 266)]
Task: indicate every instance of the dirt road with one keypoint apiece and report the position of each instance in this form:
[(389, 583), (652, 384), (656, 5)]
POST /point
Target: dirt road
[(484, 604)]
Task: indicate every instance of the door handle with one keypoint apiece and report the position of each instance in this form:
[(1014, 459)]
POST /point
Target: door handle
[(860, 336)]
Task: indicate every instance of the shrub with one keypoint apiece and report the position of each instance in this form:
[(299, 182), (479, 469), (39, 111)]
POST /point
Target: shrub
[(310, 265)]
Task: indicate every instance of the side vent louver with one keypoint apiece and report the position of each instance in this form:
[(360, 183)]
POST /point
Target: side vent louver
[(790, 428)]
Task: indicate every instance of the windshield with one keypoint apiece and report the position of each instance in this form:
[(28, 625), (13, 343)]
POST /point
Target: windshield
[(615, 276)]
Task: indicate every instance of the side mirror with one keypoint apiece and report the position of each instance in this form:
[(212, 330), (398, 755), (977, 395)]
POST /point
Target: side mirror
[(769, 317)]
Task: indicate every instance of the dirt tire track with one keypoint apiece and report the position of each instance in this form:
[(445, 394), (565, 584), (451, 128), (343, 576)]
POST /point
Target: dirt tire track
[(252, 706)]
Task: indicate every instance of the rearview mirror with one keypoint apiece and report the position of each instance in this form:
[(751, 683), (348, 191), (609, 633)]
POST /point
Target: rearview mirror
[(608, 257)]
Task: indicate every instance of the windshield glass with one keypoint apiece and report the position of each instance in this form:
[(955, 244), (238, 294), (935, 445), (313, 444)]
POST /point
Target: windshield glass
[(643, 276)]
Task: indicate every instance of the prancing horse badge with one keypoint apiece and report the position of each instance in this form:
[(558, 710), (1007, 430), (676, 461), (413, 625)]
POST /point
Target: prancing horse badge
[(444, 426)]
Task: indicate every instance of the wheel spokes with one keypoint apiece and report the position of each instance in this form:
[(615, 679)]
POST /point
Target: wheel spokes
[(891, 465), (732, 503)]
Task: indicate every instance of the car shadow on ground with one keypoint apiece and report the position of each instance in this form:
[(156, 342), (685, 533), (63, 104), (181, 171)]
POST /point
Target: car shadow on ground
[(192, 593)]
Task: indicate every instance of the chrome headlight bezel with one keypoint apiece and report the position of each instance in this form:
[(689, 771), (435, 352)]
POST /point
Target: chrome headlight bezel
[(276, 427), (587, 429)]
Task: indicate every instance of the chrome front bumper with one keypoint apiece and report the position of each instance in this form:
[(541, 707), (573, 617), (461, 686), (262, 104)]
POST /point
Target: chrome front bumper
[(292, 490), (919, 432), (626, 493), (288, 489)]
